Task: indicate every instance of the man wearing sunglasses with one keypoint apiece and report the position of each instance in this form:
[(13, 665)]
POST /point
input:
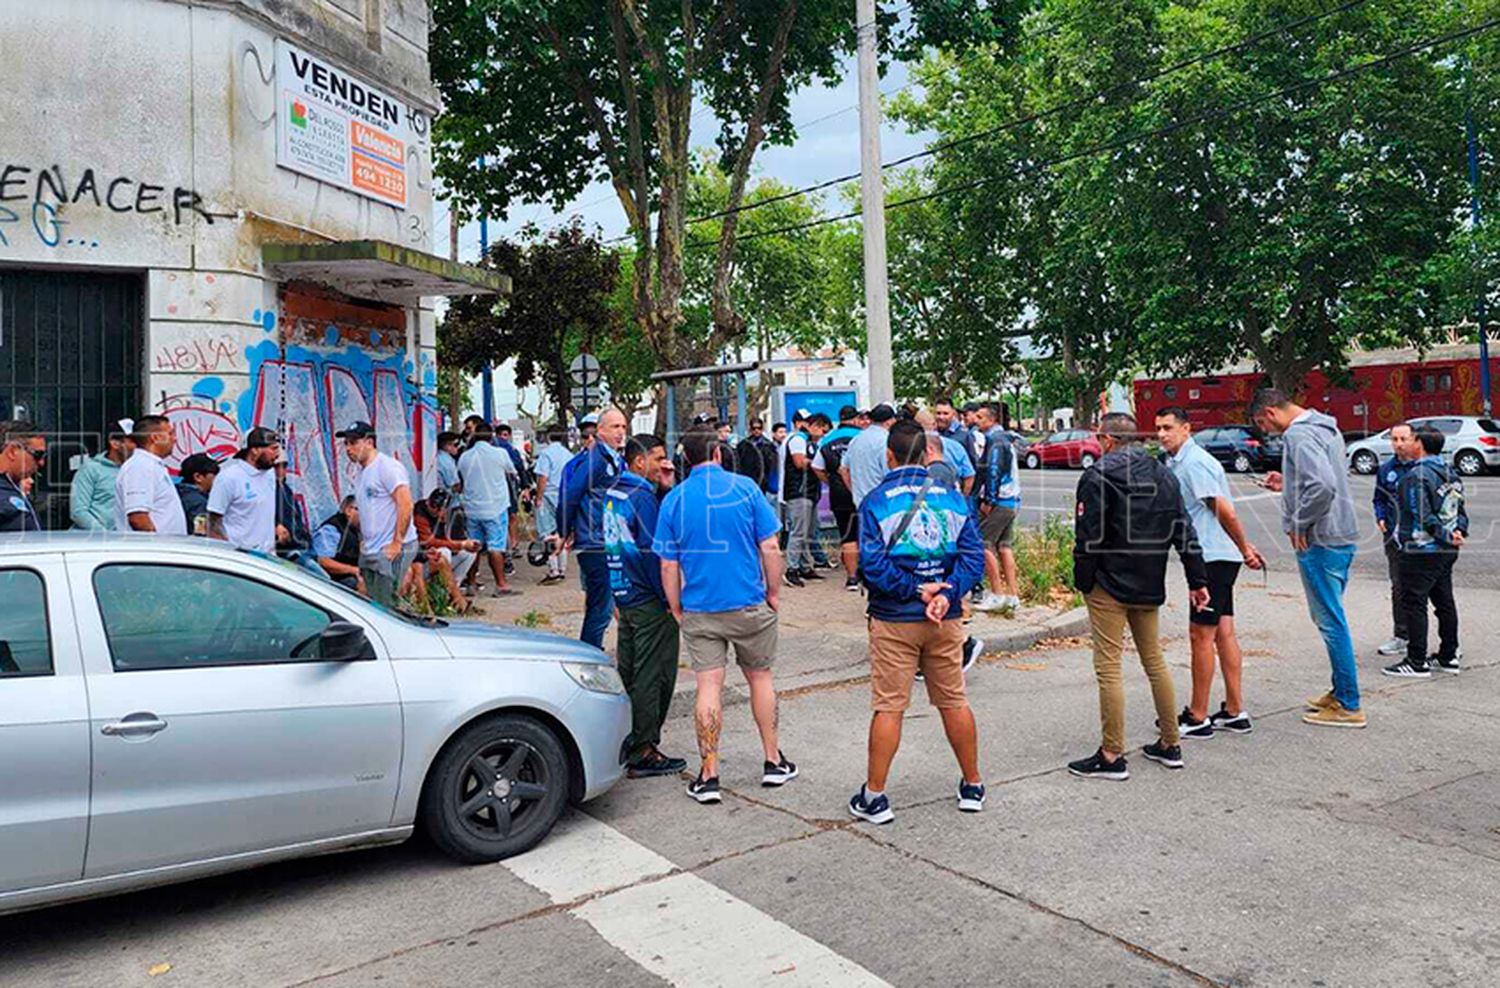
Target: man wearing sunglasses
[(22, 452)]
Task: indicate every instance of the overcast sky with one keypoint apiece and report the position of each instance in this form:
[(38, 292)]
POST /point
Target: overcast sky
[(827, 146)]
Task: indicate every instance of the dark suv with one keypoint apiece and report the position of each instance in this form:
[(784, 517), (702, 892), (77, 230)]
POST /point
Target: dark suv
[(1240, 448)]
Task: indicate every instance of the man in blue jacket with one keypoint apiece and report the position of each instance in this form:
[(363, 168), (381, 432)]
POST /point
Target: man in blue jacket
[(920, 553), (1405, 448), (586, 478), (647, 650), (1431, 525)]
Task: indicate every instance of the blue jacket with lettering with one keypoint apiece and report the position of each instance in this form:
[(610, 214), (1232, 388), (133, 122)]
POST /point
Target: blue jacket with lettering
[(580, 506), (941, 544), (628, 526), (1002, 487), (1430, 507), (1387, 480)]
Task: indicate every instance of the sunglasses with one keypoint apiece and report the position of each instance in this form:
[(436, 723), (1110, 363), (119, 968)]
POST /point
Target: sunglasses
[(37, 455)]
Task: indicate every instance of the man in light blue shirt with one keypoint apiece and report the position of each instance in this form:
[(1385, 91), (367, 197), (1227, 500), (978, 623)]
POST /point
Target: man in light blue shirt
[(1205, 494), (447, 465), (549, 468), (483, 469), (864, 465), (721, 572)]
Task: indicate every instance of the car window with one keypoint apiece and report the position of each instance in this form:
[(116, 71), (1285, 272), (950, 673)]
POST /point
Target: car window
[(1488, 425), (182, 617), (1206, 436), (1058, 437), (1448, 427), (25, 645)]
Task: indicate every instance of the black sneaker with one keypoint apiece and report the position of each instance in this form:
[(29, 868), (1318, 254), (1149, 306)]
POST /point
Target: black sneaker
[(973, 649), (1446, 665), (970, 796), (1405, 670), (552, 578), (792, 579), (1233, 723), (852, 584), (653, 763), (1095, 767), (1171, 757), (877, 810), (778, 773), (705, 790), (1198, 730), (811, 574)]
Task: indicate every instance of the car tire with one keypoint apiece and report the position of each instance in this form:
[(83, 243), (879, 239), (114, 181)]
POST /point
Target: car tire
[(527, 773), (1086, 460), (1033, 462), (1468, 463), (1242, 462), (1365, 462)]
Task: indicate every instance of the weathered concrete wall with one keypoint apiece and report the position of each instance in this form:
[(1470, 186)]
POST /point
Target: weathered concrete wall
[(142, 134)]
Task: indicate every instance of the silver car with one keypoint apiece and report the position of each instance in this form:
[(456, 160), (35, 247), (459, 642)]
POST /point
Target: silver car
[(1471, 444), (170, 708)]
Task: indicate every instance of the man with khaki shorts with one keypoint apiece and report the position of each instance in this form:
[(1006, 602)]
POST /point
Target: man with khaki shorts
[(999, 501), (920, 554), (721, 571)]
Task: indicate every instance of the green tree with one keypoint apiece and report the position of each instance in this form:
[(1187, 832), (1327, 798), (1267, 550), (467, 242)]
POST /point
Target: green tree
[(555, 94), (561, 287)]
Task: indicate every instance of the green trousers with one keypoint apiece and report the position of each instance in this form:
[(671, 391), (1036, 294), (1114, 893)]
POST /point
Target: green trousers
[(647, 657)]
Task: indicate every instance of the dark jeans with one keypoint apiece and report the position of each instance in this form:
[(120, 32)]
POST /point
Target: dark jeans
[(1398, 606), (1429, 576), (647, 659), (598, 599)]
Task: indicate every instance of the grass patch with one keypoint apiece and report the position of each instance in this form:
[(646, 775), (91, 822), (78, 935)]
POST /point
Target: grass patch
[(1044, 564), (534, 619)]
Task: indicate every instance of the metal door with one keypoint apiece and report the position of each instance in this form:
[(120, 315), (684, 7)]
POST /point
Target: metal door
[(71, 357)]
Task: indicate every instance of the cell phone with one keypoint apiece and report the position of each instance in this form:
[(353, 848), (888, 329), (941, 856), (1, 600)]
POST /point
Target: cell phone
[(1260, 482)]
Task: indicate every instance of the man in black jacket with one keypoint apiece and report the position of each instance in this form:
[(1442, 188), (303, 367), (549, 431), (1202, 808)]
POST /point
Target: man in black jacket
[(1130, 513)]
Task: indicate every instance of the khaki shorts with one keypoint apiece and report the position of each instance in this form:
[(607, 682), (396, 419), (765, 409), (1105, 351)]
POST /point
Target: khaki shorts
[(897, 650), (998, 527), (707, 636)]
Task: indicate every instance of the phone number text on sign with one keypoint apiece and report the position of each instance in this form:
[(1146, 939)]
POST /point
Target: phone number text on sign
[(377, 178)]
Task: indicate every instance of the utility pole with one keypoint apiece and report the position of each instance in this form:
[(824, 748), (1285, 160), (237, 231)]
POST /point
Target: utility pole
[(872, 207), (1481, 307), (487, 376)]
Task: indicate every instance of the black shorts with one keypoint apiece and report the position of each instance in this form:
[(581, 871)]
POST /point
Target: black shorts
[(846, 520), (1221, 577)]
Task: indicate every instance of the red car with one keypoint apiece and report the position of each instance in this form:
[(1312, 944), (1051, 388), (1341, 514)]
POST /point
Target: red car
[(1069, 448)]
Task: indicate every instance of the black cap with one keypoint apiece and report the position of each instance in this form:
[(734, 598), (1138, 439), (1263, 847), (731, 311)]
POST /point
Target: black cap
[(882, 412), (197, 463), (261, 437), (848, 412), (359, 430)]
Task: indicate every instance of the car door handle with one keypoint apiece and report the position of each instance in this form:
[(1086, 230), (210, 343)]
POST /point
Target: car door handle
[(134, 726)]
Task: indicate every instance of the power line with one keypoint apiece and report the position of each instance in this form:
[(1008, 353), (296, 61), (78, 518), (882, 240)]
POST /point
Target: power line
[(1123, 142), (1097, 95)]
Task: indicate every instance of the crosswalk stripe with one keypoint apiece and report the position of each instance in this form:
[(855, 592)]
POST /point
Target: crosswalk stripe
[(680, 927)]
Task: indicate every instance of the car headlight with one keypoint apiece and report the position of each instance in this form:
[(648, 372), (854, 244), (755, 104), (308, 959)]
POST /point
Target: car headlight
[(595, 677)]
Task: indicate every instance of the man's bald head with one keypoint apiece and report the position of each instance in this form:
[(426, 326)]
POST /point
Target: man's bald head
[(612, 428)]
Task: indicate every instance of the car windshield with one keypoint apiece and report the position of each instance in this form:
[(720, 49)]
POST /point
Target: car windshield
[(399, 612)]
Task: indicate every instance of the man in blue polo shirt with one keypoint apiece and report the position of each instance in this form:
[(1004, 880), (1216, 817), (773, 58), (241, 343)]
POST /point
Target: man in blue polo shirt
[(647, 650), (721, 571)]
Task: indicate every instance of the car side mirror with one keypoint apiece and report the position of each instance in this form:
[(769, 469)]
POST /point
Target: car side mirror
[(344, 641)]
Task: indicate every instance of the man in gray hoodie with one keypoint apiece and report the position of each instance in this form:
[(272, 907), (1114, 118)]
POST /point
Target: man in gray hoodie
[(1317, 515)]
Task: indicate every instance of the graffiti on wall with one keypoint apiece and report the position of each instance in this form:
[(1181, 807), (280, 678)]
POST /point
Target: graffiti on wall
[(41, 195)]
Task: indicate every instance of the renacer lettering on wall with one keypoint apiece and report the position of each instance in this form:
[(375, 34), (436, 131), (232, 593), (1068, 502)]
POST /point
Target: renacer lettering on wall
[(337, 129)]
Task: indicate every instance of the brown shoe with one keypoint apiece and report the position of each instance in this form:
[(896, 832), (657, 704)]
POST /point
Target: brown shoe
[(1336, 716), (1321, 702)]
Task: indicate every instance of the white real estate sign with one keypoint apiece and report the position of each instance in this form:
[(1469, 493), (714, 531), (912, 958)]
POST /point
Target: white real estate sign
[(340, 130)]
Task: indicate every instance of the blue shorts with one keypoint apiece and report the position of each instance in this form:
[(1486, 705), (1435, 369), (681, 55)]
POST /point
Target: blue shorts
[(492, 532)]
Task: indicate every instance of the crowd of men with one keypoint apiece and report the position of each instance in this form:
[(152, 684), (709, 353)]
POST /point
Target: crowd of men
[(689, 549)]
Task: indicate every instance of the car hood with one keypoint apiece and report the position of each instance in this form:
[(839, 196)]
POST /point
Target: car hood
[(478, 640)]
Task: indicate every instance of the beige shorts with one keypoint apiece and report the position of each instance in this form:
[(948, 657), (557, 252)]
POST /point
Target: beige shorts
[(707, 636), (998, 527), (898, 650)]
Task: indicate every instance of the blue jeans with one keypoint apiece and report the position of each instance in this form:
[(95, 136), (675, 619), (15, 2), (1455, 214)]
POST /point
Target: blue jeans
[(598, 598), (1325, 574)]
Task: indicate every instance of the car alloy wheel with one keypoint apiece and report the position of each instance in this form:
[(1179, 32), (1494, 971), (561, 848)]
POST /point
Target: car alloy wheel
[(1241, 463), (496, 790), (1033, 461), (1086, 460), (1365, 462), (1469, 463)]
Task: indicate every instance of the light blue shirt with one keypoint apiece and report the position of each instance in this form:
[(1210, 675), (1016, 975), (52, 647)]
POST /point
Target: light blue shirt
[(954, 453), (866, 461), (712, 524), (486, 494), (1201, 477), (447, 468), (549, 463)]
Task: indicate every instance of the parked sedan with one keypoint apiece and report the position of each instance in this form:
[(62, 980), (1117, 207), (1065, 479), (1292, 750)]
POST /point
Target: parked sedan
[(1240, 448), (1471, 444), (1069, 448), (175, 709)]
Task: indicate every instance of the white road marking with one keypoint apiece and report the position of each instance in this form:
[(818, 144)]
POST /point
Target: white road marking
[(681, 928)]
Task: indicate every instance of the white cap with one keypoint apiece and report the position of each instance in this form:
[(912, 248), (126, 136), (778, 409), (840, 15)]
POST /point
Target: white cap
[(592, 418)]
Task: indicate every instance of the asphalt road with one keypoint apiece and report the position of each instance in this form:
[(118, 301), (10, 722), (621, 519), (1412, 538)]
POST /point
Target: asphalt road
[(1050, 492)]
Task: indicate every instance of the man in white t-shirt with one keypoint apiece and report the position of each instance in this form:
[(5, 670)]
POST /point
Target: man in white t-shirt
[(549, 466), (145, 498), (242, 504), (388, 538)]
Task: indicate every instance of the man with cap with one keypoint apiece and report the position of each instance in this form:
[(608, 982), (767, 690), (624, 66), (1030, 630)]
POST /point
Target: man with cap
[(23, 450), (195, 479), (91, 500), (145, 498), (382, 493), (864, 465), (826, 464), (242, 504)]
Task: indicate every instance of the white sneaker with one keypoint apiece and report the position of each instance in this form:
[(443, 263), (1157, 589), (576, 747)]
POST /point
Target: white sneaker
[(991, 603), (1396, 646), (1014, 603)]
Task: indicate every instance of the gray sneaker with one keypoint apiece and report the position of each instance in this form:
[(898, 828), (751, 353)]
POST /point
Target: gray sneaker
[(1395, 646)]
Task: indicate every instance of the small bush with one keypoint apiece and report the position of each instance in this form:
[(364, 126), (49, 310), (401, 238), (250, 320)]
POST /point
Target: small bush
[(535, 619), (1044, 563)]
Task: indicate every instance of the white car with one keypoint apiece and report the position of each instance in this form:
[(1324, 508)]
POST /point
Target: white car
[(171, 708), (1471, 444)]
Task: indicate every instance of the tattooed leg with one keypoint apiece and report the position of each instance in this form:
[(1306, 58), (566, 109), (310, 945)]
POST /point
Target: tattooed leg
[(767, 710), (708, 719)]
